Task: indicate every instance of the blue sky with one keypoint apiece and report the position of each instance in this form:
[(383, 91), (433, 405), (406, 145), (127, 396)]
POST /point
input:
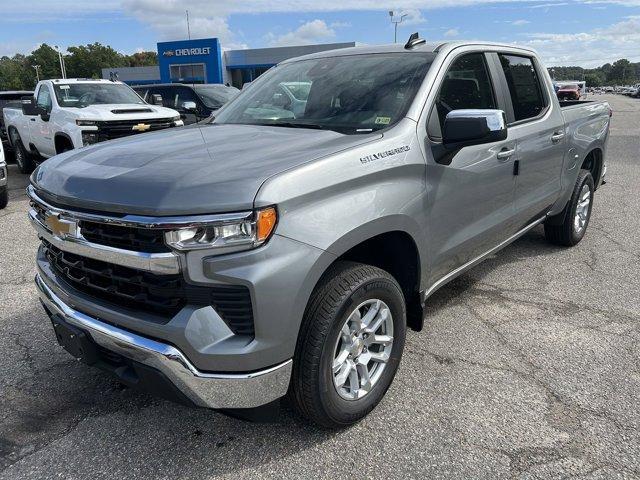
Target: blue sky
[(566, 32)]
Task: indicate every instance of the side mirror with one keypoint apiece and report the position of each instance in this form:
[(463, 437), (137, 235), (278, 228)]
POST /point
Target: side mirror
[(29, 106), (156, 99), (189, 106), (463, 128)]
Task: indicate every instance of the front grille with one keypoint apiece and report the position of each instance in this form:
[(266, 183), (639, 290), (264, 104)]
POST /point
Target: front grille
[(148, 240), (163, 295), (123, 128)]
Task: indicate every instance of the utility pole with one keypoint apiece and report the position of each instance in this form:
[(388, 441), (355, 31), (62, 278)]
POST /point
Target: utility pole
[(63, 68), (395, 24), (36, 67), (188, 27)]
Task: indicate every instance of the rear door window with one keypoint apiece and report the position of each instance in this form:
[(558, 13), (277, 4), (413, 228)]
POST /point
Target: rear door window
[(525, 87)]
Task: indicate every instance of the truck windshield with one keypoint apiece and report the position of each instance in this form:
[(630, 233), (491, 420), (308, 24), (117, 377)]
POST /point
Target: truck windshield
[(214, 96), (349, 94), (84, 94)]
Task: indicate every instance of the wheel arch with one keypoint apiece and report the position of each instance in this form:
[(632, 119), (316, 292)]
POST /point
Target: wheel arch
[(396, 250), (594, 162), (60, 139)]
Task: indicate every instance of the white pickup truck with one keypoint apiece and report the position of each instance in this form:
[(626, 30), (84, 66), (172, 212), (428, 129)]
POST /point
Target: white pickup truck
[(72, 113)]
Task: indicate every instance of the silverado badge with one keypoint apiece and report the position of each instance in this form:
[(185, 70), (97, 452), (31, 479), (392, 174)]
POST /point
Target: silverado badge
[(141, 127)]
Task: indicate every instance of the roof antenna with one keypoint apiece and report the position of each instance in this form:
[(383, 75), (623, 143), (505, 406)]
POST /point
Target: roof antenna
[(414, 40)]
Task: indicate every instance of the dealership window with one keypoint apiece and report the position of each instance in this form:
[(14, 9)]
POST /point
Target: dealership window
[(191, 73)]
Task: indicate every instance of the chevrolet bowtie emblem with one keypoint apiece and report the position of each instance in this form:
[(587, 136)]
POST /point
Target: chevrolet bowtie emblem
[(61, 227), (141, 127)]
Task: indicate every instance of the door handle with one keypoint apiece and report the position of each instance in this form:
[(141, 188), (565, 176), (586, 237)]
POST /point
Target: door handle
[(32, 119), (505, 154), (557, 136)]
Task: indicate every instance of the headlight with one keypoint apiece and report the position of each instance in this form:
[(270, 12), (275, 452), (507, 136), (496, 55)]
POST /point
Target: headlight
[(226, 235), (86, 123)]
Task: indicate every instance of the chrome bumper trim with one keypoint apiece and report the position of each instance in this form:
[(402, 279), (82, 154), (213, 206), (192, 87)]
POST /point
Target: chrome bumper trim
[(211, 390), (160, 263)]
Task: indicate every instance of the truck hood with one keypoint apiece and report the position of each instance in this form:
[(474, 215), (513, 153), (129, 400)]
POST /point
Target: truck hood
[(127, 111), (183, 171)]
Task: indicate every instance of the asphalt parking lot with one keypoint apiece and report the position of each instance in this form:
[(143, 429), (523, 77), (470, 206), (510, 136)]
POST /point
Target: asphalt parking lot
[(528, 368)]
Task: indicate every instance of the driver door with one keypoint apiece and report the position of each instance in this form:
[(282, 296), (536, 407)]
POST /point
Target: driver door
[(470, 199), (41, 131)]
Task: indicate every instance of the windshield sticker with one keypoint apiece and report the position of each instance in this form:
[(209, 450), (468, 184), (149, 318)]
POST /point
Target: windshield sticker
[(387, 153), (382, 120)]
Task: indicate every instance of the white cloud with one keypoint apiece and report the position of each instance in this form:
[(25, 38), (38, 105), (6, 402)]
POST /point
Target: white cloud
[(315, 31), (452, 32), (340, 25), (520, 23), (589, 49)]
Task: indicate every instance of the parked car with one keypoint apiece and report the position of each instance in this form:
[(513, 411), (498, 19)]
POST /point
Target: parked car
[(4, 180), (71, 113), (9, 99), (569, 92), (229, 265), (194, 102)]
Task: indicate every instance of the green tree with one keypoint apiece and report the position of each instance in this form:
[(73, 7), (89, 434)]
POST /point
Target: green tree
[(142, 59), (16, 73), (595, 79), (47, 57), (87, 61)]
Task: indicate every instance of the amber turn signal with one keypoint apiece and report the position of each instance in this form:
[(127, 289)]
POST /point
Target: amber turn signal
[(265, 223)]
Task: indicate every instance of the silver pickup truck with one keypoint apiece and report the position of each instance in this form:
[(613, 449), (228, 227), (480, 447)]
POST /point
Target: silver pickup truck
[(271, 253)]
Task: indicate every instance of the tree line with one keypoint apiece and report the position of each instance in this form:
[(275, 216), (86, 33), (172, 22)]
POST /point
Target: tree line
[(620, 72), (87, 61), (84, 61)]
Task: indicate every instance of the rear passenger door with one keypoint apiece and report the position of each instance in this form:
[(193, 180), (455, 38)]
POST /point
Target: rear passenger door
[(470, 204), (537, 124)]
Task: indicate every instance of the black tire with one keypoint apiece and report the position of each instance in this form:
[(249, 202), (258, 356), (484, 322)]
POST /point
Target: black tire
[(343, 288), (561, 229), (4, 197), (23, 158)]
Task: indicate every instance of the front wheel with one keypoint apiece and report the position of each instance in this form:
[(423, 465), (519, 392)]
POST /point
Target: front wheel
[(350, 345), (23, 158), (568, 228)]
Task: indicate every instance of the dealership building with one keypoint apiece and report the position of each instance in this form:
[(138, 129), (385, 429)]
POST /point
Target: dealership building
[(203, 61)]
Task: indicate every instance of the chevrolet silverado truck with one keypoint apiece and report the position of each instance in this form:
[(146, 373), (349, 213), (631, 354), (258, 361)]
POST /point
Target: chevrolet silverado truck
[(287, 257), (72, 113)]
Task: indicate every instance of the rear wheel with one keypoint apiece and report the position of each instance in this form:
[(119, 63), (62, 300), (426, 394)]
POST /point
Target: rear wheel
[(568, 228), (350, 345), (23, 158)]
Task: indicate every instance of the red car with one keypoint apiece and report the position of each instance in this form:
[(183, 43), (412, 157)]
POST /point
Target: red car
[(569, 92)]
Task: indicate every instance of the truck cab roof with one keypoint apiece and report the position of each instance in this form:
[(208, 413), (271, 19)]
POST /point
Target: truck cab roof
[(426, 47)]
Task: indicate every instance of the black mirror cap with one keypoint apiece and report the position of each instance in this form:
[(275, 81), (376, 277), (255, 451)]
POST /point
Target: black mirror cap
[(28, 104), (464, 128), (156, 99)]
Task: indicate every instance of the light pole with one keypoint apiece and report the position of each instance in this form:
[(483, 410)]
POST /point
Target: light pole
[(63, 69), (37, 72), (395, 24)]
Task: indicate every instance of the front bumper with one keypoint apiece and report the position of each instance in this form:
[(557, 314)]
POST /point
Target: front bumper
[(211, 390)]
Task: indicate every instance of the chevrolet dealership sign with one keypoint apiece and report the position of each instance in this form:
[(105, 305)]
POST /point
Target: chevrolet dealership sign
[(183, 52)]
